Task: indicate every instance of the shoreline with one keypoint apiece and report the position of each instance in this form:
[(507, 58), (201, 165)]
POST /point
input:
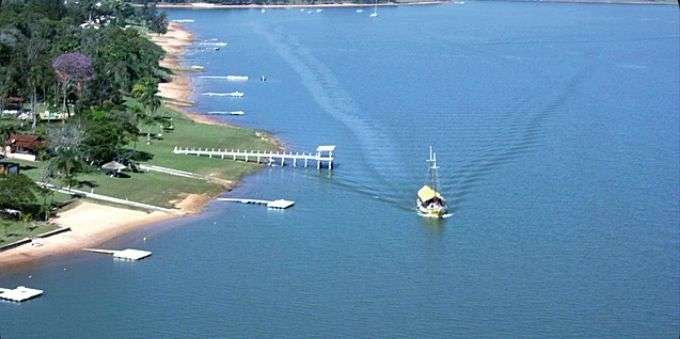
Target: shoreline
[(595, 2), (93, 223), (177, 94), (200, 5)]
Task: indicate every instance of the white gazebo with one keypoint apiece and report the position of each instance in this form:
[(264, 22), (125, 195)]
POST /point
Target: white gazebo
[(325, 153)]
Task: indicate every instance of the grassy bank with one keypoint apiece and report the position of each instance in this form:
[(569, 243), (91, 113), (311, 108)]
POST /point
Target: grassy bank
[(13, 230), (162, 189), (190, 133)]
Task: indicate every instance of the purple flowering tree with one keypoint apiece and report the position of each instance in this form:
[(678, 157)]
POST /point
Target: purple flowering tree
[(72, 70)]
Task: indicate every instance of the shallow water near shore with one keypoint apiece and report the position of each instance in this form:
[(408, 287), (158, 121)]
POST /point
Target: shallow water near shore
[(556, 127)]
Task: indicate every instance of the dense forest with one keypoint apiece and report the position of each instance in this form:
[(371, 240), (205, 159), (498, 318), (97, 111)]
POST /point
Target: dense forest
[(91, 63)]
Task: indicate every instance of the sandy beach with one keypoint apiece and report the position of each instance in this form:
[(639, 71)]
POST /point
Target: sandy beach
[(177, 92), (90, 223)]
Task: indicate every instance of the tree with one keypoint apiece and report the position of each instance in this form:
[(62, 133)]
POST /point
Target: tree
[(34, 48), (108, 131), (9, 38), (159, 23), (145, 91), (7, 127), (4, 87), (72, 69), (45, 193), (19, 192), (65, 145)]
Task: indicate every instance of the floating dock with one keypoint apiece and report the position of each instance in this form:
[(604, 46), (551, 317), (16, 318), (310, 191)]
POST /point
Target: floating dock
[(19, 294), (279, 204), (324, 155), (126, 254)]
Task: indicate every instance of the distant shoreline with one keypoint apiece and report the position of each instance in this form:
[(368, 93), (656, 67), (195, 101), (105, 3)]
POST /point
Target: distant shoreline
[(596, 2), (198, 5)]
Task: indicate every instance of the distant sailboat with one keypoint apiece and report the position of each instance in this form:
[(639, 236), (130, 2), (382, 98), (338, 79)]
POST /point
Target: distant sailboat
[(375, 10)]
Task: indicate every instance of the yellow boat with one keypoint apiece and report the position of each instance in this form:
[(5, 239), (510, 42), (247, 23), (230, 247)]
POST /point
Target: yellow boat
[(429, 202)]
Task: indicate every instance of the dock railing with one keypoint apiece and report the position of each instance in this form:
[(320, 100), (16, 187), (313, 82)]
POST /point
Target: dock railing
[(324, 155)]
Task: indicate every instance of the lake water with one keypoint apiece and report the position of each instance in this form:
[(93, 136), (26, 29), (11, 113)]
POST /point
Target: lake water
[(556, 127)]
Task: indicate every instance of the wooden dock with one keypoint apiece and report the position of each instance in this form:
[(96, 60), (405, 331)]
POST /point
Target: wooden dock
[(19, 294), (279, 204), (126, 254), (324, 155)]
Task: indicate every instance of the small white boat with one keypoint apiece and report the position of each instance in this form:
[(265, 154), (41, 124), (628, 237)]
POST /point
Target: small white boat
[(183, 21), (214, 44), (375, 10), (237, 78), (235, 94), (197, 67), (319, 10), (237, 113), (263, 10), (359, 10), (202, 5)]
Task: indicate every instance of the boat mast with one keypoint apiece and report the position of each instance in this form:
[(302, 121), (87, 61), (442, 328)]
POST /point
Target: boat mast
[(432, 169)]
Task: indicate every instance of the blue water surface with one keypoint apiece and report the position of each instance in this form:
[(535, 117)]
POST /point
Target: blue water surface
[(557, 130)]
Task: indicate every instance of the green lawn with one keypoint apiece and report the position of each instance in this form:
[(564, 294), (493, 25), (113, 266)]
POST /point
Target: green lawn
[(12, 230), (161, 189), (189, 133)]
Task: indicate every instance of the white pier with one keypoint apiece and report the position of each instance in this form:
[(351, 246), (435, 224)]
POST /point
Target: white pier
[(126, 254), (19, 294), (324, 155), (279, 204)]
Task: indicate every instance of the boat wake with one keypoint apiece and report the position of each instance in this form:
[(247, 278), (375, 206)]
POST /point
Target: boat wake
[(326, 90), (226, 113)]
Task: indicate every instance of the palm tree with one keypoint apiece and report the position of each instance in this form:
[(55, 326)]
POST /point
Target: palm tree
[(145, 91), (65, 164), (36, 71), (67, 161)]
